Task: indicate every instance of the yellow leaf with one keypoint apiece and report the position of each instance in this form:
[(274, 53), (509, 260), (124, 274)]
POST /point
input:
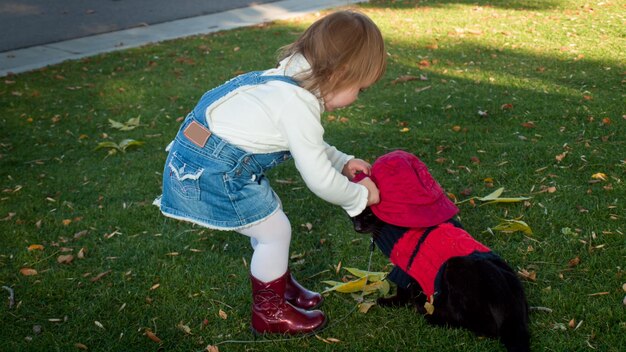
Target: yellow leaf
[(406, 129), (381, 286), (510, 226), (348, 287), (34, 247), (493, 195), (372, 276), (599, 176), (223, 315), (430, 308)]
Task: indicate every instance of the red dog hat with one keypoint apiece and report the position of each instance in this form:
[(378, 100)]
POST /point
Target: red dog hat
[(409, 196)]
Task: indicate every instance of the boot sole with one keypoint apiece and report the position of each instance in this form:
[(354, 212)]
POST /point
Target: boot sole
[(258, 334)]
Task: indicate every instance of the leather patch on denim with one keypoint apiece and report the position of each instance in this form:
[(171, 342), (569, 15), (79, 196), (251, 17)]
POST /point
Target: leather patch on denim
[(197, 134)]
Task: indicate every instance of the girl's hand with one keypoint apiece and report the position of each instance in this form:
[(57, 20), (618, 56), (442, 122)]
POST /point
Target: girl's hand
[(354, 166), (373, 196)]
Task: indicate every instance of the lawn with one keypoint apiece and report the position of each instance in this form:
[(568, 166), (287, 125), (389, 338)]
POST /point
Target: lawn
[(525, 95)]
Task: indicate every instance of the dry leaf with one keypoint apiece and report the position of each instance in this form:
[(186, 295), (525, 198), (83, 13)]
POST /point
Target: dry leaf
[(525, 274), (100, 276), (28, 271), (35, 247), (429, 306), (560, 157), (573, 262), (223, 315), (152, 336), (365, 306), (184, 328), (154, 287), (80, 346), (81, 253), (99, 324), (211, 348), (404, 78), (65, 259)]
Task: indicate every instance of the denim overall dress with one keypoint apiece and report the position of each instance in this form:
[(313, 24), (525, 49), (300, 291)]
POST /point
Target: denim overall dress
[(212, 183)]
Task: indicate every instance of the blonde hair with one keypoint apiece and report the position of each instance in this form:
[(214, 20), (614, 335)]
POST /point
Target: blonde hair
[(344, 49)]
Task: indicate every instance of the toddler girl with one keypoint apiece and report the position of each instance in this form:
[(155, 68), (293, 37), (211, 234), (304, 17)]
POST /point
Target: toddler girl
[(215, 171)]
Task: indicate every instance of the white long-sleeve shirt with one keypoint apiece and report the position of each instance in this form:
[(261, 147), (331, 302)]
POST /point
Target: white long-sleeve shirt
[(278, 116)]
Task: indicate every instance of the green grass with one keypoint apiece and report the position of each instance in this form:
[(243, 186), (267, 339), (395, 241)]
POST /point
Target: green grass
[(549, 74)]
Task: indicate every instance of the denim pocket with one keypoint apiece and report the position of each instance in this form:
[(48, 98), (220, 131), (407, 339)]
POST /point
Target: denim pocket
[(185, 177)]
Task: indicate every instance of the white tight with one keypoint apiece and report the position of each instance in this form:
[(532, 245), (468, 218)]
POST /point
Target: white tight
[(270, 240)]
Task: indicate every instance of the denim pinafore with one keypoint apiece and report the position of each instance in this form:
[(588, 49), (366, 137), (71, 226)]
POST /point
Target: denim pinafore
[(219, 185)]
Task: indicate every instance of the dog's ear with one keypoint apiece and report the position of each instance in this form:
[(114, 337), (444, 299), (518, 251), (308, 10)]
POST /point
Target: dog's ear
[(364, 222)]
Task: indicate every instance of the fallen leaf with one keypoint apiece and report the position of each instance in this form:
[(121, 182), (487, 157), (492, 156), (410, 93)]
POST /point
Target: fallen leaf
[(511, 226), (573, 262), (152, 336), (372, 276), (80, 346), (346, 287), (154, 287), (211, 348), (429, 306), (28, 271), (365, 306), (527, 275), (126, 126), (184, 328), (572, 323), (404, 78), (599, 176), (99, 324), (65, 259), (100, 276), (35, 247), (223, 314)]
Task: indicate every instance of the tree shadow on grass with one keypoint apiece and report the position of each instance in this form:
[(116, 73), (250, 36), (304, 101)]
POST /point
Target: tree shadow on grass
[(506, 4)]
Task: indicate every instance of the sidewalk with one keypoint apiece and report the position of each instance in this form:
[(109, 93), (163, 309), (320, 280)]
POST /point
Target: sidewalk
[(23, 60)]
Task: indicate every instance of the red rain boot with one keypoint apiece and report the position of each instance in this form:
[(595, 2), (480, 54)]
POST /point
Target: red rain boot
[(301, 297), (271, 313)]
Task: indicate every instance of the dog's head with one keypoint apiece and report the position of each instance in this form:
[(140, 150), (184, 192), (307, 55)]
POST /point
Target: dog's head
[(367, 222)]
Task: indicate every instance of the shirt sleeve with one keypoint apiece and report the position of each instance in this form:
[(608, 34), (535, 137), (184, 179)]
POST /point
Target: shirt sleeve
[(319, 164)]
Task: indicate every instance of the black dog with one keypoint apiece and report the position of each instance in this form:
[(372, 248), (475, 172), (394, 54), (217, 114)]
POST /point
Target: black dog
[(478, 291)]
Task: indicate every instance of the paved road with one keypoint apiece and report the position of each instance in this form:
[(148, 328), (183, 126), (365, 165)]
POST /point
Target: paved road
[(26, 23), (147, 25)]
